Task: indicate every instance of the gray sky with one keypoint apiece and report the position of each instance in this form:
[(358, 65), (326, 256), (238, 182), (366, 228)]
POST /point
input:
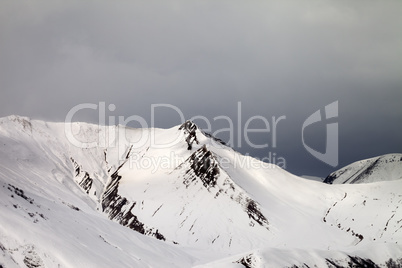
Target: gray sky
[(278, 58)]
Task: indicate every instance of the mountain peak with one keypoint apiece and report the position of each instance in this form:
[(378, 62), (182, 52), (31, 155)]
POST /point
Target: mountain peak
[(23, 121), (190, 129)]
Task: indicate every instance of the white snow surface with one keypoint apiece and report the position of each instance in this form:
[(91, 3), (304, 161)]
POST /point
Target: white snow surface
[(144, 198), (313, 178)]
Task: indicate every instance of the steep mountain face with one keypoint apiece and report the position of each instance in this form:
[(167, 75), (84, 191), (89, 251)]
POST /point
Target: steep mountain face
[(115, 196), (179, 203), (387, 167)]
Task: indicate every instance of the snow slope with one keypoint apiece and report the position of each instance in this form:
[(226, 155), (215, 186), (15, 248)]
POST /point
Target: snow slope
[(176, 198), (386, 167), (313, 178)]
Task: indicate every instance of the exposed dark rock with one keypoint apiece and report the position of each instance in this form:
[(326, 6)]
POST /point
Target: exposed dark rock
[(394, 263), (332, 263), (209, 135), (190, 129), (119, 208), (247, 261), (74, 207), (203, 166), (330, 178), (159, 236), (352, 262), (129, 152), (110, 194), (359, 262), (86, 182), (20, 193), (255, 214)]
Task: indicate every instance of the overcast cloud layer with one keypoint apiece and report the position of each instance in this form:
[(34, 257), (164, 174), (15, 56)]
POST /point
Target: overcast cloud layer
[(278, 58)]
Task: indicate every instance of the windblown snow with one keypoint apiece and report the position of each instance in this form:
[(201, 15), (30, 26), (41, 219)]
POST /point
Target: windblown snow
[(111, 196)]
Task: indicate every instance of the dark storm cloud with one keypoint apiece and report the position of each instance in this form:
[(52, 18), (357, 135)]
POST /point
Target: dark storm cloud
[(275, 57)]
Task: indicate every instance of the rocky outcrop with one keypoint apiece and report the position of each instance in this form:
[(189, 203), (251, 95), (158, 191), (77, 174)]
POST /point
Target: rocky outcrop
[(203, 166), (120, 209), (189, 129)]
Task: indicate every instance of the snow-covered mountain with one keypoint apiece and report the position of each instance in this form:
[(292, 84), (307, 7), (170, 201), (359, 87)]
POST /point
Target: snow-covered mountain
[(78, 194), (383, 168)]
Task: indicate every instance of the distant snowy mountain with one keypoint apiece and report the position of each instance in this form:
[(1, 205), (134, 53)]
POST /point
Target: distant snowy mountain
[(383, 168), (83, 195)]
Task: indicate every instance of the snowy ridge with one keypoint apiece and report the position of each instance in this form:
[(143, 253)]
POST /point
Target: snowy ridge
[(387, 167), (179, 199), (205, 167)]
